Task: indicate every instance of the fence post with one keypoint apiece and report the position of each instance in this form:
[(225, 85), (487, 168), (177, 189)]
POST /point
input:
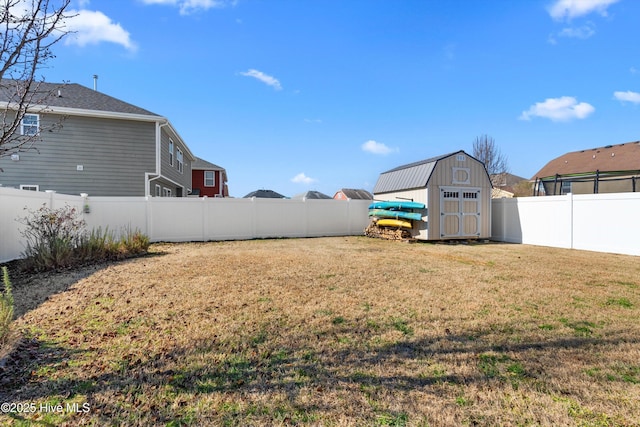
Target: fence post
[(571, 219), (148, 218)]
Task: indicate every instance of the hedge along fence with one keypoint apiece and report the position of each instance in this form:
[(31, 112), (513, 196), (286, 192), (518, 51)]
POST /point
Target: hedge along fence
[(188, 219)]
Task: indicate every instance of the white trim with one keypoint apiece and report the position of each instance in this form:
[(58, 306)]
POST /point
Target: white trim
[(213, 178), (461, 194), (30, 125)]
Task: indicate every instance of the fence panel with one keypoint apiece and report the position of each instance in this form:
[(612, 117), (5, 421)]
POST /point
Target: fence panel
[(189, 219), (597, 222), (607, 223)]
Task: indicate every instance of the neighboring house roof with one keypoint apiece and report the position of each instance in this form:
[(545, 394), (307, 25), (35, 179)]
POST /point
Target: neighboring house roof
[(201, 164), (356, 194), (73, 95), (311, 195), (611, 158), (265, 194), (409, 176), (506, 180)]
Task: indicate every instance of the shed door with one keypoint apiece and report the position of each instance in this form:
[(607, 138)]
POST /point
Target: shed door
[(460, 212)]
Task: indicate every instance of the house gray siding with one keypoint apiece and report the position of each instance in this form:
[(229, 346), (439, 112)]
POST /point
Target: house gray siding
[(114, 155), (171, 171)]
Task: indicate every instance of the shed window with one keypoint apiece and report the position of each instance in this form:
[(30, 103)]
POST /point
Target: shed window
[(30, 124), (451, 195), (461, 157), (209, 179), (461, 175)]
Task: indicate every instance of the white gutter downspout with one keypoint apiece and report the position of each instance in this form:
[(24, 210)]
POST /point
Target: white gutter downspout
[(157, 173)]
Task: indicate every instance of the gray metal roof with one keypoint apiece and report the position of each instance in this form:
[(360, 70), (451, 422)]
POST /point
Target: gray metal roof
[(409, 176), (72, 95)]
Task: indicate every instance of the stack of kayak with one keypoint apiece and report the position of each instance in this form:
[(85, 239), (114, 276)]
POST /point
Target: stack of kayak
[(395, 213)]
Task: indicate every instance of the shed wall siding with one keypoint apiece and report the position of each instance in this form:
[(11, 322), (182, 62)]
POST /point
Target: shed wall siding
[(114, 155), (442, 175)]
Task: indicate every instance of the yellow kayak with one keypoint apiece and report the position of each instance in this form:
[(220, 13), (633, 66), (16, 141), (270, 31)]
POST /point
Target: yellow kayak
[(387, 222)]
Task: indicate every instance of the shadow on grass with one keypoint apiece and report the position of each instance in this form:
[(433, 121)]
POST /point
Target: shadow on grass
[(158, 387), (32, 289)]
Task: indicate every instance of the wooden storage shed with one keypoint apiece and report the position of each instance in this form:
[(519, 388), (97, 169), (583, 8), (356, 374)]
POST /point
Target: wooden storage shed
[(456, 190)]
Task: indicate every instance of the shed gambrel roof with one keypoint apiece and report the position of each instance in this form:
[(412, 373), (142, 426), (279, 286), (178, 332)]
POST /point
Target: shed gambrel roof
[(74, 96), (409, 176)]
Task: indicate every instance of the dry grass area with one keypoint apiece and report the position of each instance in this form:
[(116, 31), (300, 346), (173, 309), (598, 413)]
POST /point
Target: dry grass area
[(335, 332)]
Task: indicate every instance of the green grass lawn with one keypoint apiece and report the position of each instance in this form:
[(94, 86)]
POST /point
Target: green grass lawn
[(333, 331)]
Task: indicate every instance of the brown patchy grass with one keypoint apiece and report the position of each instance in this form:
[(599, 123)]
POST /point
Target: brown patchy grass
[(336, 331)]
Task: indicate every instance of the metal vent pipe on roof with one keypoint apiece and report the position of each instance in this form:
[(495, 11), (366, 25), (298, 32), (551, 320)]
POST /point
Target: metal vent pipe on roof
[(95, 82)]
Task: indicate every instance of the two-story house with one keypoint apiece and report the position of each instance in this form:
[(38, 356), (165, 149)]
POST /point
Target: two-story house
[(105, 147), (208, 179)]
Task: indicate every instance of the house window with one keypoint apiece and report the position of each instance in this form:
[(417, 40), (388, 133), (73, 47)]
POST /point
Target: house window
[(565, 188), (170, 152), (158, 191), (166, 192), (30, 187), (209, 180), (30, 124), (179, 158)]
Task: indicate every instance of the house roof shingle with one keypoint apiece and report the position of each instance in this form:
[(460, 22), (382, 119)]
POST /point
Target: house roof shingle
[(75, 96), (356, 194), (611, 158)]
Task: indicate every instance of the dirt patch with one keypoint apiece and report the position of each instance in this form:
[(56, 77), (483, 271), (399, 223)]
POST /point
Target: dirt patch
[(334, 331)]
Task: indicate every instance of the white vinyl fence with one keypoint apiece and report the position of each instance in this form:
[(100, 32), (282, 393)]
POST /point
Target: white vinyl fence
[(594, 222), (188, 219), (598, 222)]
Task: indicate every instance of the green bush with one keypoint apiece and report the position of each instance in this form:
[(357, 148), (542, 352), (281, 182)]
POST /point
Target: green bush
[(6, 306), (58, 239), (52, 237)]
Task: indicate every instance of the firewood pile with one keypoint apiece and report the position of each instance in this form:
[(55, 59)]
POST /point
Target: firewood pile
[(389, 233)]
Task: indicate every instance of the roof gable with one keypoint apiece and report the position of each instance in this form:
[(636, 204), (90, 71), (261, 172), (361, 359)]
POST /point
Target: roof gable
[(611, 158)]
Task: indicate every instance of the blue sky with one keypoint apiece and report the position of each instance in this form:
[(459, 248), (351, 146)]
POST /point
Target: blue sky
[(296, 95)]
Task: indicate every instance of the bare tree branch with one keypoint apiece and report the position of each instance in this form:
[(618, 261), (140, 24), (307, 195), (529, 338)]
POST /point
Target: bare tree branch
[(486, 150), (28, 31)]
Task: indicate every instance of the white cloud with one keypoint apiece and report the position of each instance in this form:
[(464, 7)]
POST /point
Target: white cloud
[(374, 147), (264, 78), (627, 96), (190, 6), (560, 109), (569, 9), (89, 27), (583, 32), (301, 178)]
